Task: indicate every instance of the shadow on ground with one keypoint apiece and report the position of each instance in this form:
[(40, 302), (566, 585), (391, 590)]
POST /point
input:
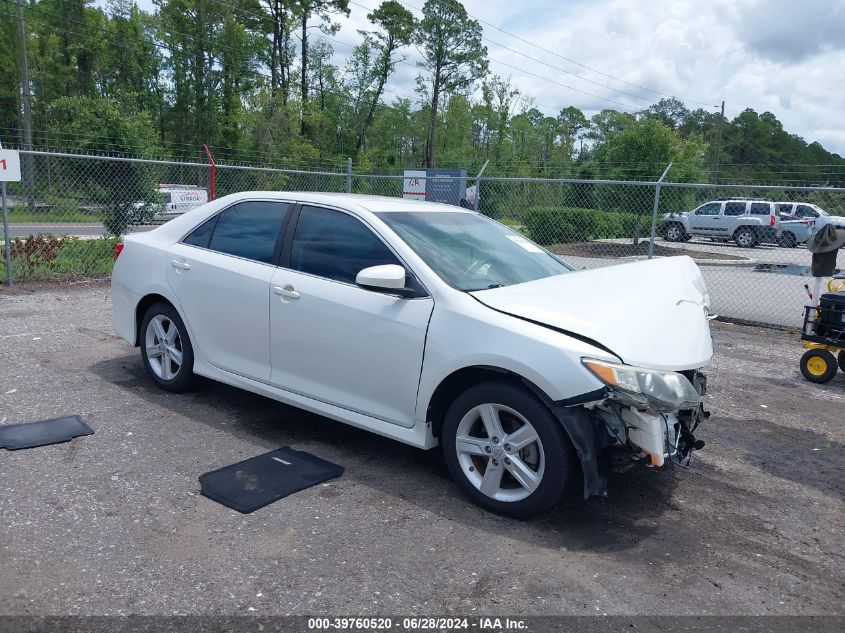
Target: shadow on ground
[(634, 511)]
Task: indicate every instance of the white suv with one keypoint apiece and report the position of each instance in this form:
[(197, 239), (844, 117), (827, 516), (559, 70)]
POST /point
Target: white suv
[(428, 324), (809, 211)]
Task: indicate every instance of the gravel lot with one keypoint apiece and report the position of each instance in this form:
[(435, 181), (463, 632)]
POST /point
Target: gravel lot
[(113, 523)]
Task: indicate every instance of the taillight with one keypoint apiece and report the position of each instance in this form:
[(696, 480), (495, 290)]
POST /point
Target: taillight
[(771, 220), (118, 249)]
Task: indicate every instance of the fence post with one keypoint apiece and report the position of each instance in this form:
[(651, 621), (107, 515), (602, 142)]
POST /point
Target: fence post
[(654, 211), (212, 184), (7, 241), (348, 175), (477, 194)]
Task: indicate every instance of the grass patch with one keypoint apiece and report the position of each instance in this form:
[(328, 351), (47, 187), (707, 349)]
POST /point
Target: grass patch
[(22, 214), (42, 259)]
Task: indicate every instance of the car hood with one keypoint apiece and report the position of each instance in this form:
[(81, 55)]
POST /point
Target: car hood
[(651, 313)]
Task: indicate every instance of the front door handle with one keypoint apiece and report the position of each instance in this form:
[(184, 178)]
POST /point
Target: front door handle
[(179, 264), (286, 292)]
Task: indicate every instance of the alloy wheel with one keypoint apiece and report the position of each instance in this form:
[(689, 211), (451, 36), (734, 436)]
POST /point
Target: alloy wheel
[(500, 452), (164, 347), (673, 234)]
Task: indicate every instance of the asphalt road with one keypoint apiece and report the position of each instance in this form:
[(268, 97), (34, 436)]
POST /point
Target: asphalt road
[(113, 523)]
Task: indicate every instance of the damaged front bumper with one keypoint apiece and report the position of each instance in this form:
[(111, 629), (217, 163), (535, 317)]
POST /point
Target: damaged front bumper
[(656, 436)]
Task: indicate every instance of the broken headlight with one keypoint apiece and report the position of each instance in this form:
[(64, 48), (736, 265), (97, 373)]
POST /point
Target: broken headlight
[(660, 391)]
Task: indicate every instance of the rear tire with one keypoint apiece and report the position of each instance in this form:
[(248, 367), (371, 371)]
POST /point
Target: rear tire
[(818, 365), (166, 348), (842, 360), (506, 450), (745, 238), (787, 240)]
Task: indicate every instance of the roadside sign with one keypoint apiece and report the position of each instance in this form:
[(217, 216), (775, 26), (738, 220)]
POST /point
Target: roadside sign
[(413, 185), (10, 165)]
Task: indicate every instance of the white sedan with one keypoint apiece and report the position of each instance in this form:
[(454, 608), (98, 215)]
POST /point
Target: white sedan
[(428, 324)]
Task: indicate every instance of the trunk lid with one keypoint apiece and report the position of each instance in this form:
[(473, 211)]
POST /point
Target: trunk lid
[(651, 313)]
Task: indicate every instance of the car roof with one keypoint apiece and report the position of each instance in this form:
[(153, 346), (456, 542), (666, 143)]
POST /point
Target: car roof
[(374, 204), (740, 199)]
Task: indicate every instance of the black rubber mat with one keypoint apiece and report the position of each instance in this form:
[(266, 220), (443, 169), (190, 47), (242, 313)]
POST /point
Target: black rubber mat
[(32, 434), (259, 481)]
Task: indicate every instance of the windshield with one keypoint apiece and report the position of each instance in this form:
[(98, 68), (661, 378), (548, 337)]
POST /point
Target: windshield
[(472, 252)]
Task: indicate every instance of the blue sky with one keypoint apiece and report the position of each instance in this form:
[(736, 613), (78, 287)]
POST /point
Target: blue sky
[(785, 56)]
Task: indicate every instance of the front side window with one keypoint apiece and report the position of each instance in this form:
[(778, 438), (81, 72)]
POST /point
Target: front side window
[(247, 229), (734, 208), (335, 245), (760, 208), (471, 252), (709, 209)]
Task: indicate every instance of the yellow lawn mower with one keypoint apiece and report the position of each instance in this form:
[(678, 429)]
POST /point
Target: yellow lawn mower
[(823, 332)]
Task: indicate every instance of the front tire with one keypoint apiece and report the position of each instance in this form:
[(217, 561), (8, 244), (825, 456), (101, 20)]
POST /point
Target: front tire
[(842, 360), (674, 232), (166, 348), (506, 450)]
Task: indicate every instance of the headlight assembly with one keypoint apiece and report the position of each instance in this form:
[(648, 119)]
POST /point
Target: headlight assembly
[(661, 391)]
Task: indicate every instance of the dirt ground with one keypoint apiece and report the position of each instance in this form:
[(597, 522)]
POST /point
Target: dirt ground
[(113, 523)]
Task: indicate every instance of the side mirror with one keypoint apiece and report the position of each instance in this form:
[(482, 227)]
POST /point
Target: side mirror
[(386, 278)]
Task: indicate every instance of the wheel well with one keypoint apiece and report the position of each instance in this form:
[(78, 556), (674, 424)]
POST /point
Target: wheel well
[(459, 381), (142, 307), (753, 229)]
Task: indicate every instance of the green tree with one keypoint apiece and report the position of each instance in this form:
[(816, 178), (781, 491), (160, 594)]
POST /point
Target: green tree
[(307, 9), (453, 56), (115, 185), (671, 112), (395, 26)]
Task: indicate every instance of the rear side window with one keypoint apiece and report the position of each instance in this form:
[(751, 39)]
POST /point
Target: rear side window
[(247, 229), (201, 235), (785, 208), (335, 245), (761, 208), (734, 208)]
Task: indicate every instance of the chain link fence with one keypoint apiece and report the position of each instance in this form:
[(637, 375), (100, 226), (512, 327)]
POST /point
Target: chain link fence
[(67, 213)]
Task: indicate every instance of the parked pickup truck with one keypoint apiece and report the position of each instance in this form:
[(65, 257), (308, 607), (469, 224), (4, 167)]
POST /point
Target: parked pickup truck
[(746, 222)]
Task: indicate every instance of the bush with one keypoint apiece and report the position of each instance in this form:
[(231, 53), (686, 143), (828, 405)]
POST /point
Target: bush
[(561, 225), (116, 219)]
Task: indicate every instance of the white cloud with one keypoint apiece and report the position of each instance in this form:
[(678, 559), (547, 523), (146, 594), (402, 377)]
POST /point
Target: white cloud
[(698, 51)]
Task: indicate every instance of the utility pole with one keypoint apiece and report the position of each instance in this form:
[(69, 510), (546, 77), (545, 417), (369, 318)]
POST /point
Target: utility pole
[(719, 146), (26, 98)]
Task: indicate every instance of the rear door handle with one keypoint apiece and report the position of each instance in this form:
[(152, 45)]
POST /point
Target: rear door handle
[(178, 264), (286, 292)]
